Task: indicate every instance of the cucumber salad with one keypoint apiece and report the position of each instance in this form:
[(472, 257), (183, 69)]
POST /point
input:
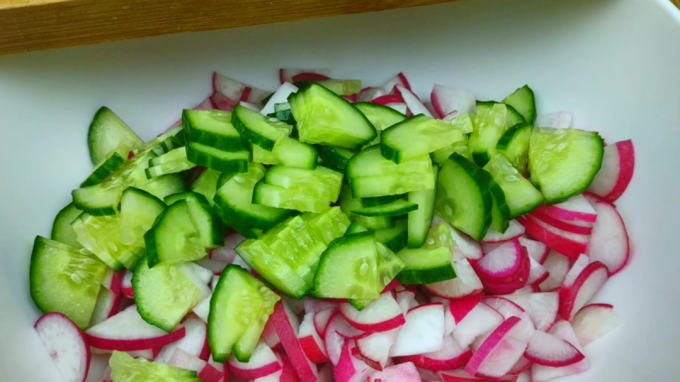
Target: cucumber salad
[(333, 232)]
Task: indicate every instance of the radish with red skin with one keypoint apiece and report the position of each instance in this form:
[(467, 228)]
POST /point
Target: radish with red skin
[(390, 99), (462, 376), (448, 101), (594, 321), (326, 373), (568, 244), (423, 331), (108, 305), (429, 375), (344, 328), (195, 341), (563, 330), (575, 208), (234, 90), (404, 372), (66, 345), (480, 320), (286, 75), (449, 321), (287, 326), (579, 265), (460, 307), (374, 349), (127, 331), (466, 283), (514, 231), (262, 362), (269, 335), (609, 243), (499, 352), (452, 356), (563, 225), (618, 165), (380, 315), (369, 94), (537, 273), (350, 98), (333, 340), (549, 350), (502, 265), (226, 253), (315, 306), (310, 341), (412, 101), (182, 359), (222, 102), (588, 282), (541, 307), (113, 281), (399, 79), (126, 285), (557, 267), (321, 320), (349, 368), (521, 366), (210, 374), (406, 299)]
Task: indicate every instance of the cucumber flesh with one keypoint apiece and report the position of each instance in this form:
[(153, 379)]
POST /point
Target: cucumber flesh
[(393, 238), (101, 236), (208, 225), (163, 186), (488, 130), (432, 262), (322, 183), (216, 159), (104, 169), (125, 368), (138, 212), (99, 200), (370, 163), (395, 208), (391, 184), (463, 196), (420, 219), (348, 203), (289, 152), (335, 157), (329, 225), (109, 133), (206, 184), (514, 117), (389, 266), (279, 197), (65, 279), (563, 162), (61, 228), (163, 295), (417, 136), (500, 213), (259, 129), (381, 117), (514, 145), (174, 198), (342, 87), (174, 238), (520, 195), (169, 163), (213, 128), (356, 227), (523, 101)]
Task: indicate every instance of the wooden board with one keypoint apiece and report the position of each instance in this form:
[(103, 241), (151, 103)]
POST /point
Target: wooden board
[(28, 25)]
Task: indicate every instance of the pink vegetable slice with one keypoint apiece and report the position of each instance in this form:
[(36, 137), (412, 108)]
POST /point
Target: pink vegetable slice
[(66, 345), (618, 165)]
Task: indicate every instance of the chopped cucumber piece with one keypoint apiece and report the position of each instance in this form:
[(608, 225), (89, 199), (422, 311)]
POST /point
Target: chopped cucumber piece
[(249, 232), (342, 87), (370, 162), (391, 184), (163, 294), (356, 227), (348, 203), (206, 184), (389, 266), (394, 238), (174, 198), (163, 186), (138, 212), (328, 226), (322, 183), (520, 195), (239, 302), (289, 152), (381, 117), (279, 197), (432, 262), (125, 368), (500, 213), (109, 133), (335, 157), (463, 196), (99, 200), (169, 163), (484, 107), (283, 113), (213, 128), (223, 161), (395, 208), (65, 279), (463, 122), (514, 145), (101, 236), (209, 226), (61, 228), (420, 219), (415, 137), (488, 129), (104, 169), (349, 269), (259, 129), (234, 201), (174, 238), (563, 162), (326, 118), (380, 200), (523, 101)]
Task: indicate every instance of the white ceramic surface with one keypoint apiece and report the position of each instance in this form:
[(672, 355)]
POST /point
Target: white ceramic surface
[(614, 64)]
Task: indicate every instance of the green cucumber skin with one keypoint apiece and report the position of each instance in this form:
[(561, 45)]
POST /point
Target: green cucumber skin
[(396, 208), (104, 170), (524, 102), (61, 228), (107, 133), (500, 212), (426, 276), (248, 134)]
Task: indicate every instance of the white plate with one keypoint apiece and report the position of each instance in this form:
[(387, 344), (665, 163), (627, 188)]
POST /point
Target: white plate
[(614, 64)]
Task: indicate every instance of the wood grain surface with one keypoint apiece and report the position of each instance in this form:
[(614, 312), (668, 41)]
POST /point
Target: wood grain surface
[(28, 25)]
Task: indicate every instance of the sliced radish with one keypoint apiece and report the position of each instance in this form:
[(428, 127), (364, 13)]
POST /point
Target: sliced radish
[(262, 362), (369, 94), (568, 244), (310, 341), (315, 306), (404, 372), (380, 315), (481, 319), (211, 374), (202, 309), (287, 327), (549, 350), (288, 373), (106, 375), (399, 79), (349, 368), (182, 359), (557, 266), (588, 282), (390, 99), (563, 330), (460, 307), (579, 265), (326, 373), (374, 349), (108, 305), (618, 165), (609, 242), (466, 283), (423, 331), (452, 356), (527, 289), (286, 75), (594, 321), (504, 306), (269, 335), (429, 375), (66, 345), (412, 101), (223, 102), (448, 101), (234, 90), (127, 331), (564, 225), (462, 376), (406, 299), (520, 367), (449, 320), (226, 253), (537, 273), (126, 285), (251, 106), (199, 276), (514, 231), (321, 320), (499, 352), (333, 340), (430, 108), (541, 307), (113, 281), (503, 264), (280, 96), (214, 266), (195, 341), (344, 328), (557, 120), (465, 245), (575, 208)]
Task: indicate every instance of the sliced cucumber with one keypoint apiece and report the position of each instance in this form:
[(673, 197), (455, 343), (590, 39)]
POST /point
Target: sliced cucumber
[(289, 152), (335, 157), (370, 163), (463, 196), (356, 227), (328, 226), (174, 198), (514, 117), (101, 236), (109, 133), (563, 162), (249, 232), (259, 129), (391, 185), (500, 213), (523, 101), (342, 87), (349, 269), (322, 183), (381, 200), (206, 184), (520, 195), (326, 118), (415, 137), (272, 268), (163, 295), (395, 208), (174, 238), (389, 266), (381, 117), (514, 145), (420, 219), (104, 169), (209, 226), (432, 262), (393, 238), (463, 122), (125, 368), (171, 162), (348, 203), (279, 197), (163, 186), (223, 161), (238, 302), (213, 128), (138, 212), (61, 228), (234, 201), (488, 129), (283, 113), (99, 200), (65, 279)]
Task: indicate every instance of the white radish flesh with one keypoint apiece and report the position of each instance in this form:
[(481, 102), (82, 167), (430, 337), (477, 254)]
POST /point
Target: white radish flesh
[(563, 330), (310, 341), (549, 350), (423, 331), (514, 231), (618, 165), (452, 102), (194, 341), (536, 250), (481, 319), (557, 267), (609, 242), (573, 298), (541, 307), (375, 348), (66, 345), (499, 352), (404, 372), (262, 362), (412, 101), (594, 321), (380, 315)]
